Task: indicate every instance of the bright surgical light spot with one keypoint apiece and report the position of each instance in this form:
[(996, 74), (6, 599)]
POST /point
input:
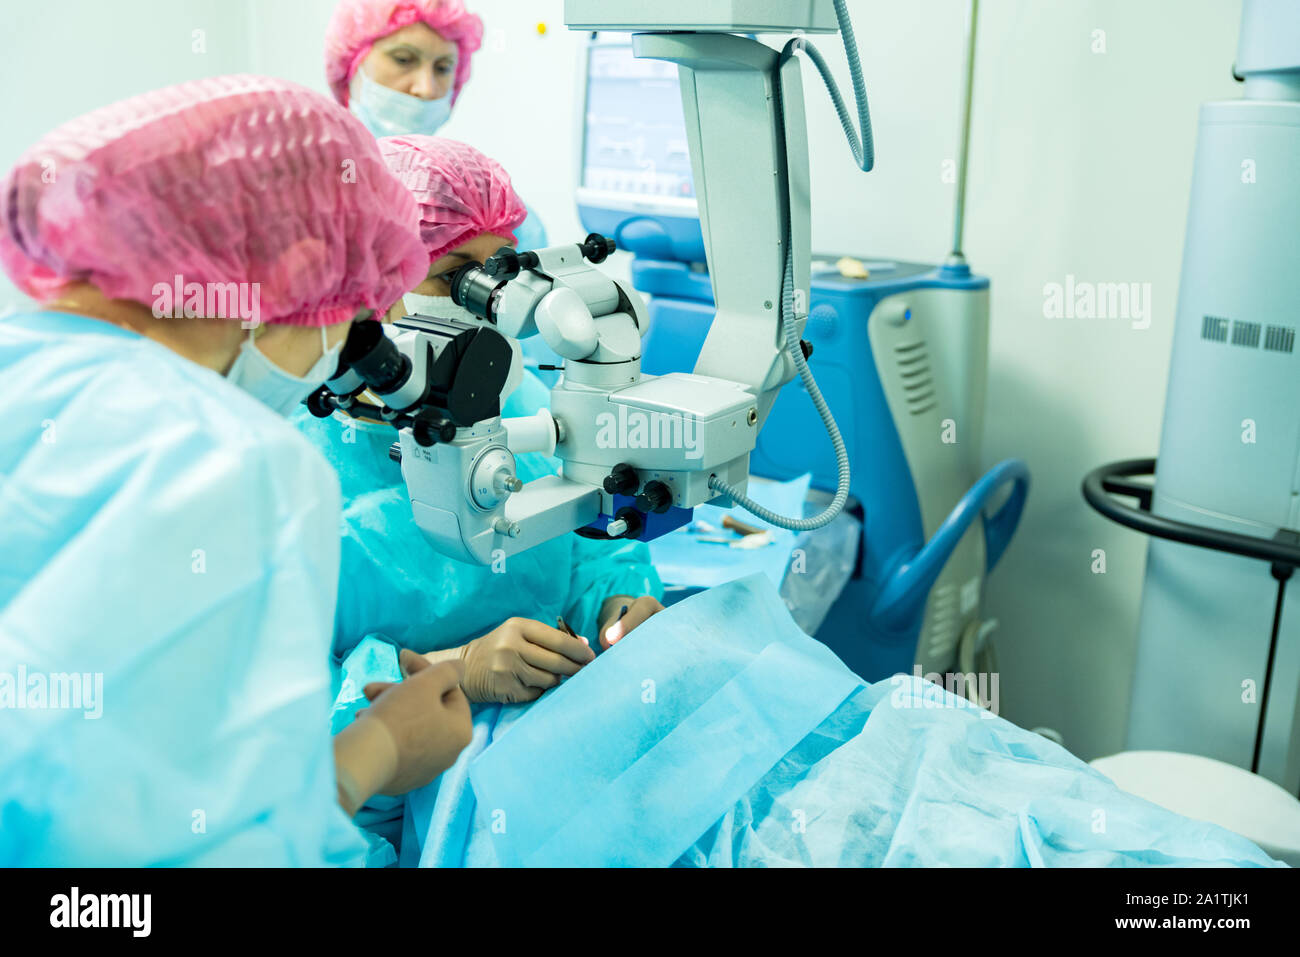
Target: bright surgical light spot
[(541, 29)]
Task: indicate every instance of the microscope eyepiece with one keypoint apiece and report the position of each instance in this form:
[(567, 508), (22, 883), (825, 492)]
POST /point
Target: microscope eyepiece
[(472, 287), (374, 357)]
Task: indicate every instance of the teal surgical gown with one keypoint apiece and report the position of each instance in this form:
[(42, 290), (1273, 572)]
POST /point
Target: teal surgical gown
[(168, 569), (394, 583)]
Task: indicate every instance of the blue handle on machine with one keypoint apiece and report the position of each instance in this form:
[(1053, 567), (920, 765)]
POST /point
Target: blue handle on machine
[(912, 581), (999, 529)]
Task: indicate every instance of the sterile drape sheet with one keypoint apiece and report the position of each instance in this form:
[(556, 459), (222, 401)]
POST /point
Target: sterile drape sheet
[(718, 734)]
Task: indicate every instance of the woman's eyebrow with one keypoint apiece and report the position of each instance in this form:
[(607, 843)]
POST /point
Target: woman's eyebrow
[(423, 54)]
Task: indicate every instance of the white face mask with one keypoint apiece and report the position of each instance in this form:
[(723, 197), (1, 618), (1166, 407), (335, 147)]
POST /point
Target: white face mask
[(261, 378), (443, 307), (387, 112)]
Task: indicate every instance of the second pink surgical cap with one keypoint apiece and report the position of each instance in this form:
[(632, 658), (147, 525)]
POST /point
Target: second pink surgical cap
[(461, 193), (357, 24), (236, 179)]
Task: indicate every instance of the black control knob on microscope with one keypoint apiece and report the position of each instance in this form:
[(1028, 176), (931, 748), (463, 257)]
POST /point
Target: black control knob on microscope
[(622, 480), (633, 520), (321, 403), (507, 262), (430, 430), (597, 248), (655, 497)]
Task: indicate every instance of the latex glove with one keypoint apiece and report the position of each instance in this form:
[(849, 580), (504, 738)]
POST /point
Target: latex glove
[(520, 659), (616, 623), (427, 719)]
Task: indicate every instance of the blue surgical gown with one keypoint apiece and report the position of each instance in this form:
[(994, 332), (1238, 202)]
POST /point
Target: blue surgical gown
[(393, 582), (165, 536)]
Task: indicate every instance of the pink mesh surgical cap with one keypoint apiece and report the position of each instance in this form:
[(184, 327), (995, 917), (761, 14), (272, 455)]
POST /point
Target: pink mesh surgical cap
[(236, 179), (461, 192), (357, 24)]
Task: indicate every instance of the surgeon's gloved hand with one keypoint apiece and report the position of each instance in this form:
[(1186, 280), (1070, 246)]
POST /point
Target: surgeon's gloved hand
[(520, 659), (427, 719), (621, 613)]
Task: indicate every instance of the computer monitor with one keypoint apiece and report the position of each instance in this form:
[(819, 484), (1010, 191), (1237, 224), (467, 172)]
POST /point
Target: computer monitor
[(634, 175)]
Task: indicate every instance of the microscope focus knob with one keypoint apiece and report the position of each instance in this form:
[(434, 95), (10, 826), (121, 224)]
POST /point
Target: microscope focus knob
[(508, 262), (622, 480), (321, 403), (655, 497), (430, 431), (597, 248), (633, 523), (492, 477), (503, 264)]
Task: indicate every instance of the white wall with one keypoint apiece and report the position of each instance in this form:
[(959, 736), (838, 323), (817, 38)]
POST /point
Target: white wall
[(1080, 164), (62, 58)]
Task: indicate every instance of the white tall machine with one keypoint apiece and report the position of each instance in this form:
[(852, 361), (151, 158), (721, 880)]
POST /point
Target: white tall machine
[(1218, 661)]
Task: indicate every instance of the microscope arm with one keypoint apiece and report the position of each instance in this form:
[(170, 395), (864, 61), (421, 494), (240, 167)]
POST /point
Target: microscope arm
[(749, 150)]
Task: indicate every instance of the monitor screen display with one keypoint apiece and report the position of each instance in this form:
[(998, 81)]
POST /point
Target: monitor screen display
[(635, 135)]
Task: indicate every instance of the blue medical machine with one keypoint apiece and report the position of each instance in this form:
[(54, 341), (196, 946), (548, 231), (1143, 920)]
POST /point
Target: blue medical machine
[(900, 354)]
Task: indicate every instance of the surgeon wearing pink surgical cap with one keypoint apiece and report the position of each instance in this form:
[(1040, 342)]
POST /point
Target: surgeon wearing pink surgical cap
[(197, 255), (501, 624), (400, 66)]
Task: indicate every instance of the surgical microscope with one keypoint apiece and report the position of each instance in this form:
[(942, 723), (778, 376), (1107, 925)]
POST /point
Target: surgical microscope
[(638, 452)]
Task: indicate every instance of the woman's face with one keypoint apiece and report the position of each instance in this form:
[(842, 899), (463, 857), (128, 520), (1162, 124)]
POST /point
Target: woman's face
[(415, 60), (477, 249), (473, 250)]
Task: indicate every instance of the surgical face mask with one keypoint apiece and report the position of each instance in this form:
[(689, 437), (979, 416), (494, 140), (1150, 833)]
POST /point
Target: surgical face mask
[(261, 378), (442, 307), (387, 112)]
